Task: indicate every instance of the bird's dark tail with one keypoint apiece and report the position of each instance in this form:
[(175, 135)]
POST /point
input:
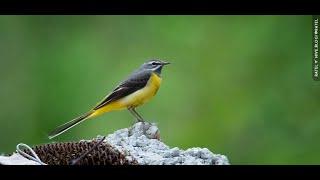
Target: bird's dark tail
[(64, 127)]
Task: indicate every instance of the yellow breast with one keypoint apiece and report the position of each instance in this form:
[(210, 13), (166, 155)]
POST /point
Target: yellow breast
[(145, 94)]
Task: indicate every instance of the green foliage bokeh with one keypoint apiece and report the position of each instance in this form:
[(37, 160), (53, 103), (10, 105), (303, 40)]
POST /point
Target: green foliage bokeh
[(238, 85)]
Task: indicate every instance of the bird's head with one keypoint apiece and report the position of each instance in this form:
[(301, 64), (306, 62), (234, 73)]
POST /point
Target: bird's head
[(154, 65)]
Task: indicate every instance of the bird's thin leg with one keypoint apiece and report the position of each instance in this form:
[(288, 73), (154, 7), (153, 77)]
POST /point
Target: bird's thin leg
[(135, 115), (140, 118)]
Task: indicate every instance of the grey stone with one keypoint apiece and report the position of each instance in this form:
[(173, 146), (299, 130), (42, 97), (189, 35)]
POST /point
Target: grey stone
[(142, 142)]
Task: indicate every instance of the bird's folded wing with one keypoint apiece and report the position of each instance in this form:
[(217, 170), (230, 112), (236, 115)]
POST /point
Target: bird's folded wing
[(135, 82)]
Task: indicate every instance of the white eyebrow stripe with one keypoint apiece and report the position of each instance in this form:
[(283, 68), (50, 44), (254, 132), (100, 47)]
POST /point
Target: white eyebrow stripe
[(155, 68), (155, 61), (152, 62)]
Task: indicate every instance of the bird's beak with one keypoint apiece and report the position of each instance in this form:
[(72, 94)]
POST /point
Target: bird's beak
[(165, 63)]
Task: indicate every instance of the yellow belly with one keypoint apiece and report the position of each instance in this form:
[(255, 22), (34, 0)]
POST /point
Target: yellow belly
[(135, 99), (143, 95)]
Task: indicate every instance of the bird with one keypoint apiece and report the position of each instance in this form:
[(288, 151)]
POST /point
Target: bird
[(137, 89)]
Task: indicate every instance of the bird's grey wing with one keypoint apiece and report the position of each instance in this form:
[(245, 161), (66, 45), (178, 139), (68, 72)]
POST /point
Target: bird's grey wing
[(135, 82)]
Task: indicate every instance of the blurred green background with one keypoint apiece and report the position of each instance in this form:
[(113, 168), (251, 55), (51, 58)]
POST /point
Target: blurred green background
[(239, 85)]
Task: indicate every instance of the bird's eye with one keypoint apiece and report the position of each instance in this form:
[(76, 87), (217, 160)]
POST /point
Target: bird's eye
[(154, 63)]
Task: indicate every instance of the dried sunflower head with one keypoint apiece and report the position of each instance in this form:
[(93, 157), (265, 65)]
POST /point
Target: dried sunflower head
[(64, 153)]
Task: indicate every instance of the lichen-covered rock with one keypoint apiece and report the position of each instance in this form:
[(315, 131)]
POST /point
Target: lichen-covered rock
[(141, 142)]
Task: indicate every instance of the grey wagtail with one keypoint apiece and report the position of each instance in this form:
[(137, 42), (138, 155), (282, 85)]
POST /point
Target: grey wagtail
[(136, 90)]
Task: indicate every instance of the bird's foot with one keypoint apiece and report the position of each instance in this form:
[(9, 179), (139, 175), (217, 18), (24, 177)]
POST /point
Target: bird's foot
[(141, 120), (137, 121), (145, 128)]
